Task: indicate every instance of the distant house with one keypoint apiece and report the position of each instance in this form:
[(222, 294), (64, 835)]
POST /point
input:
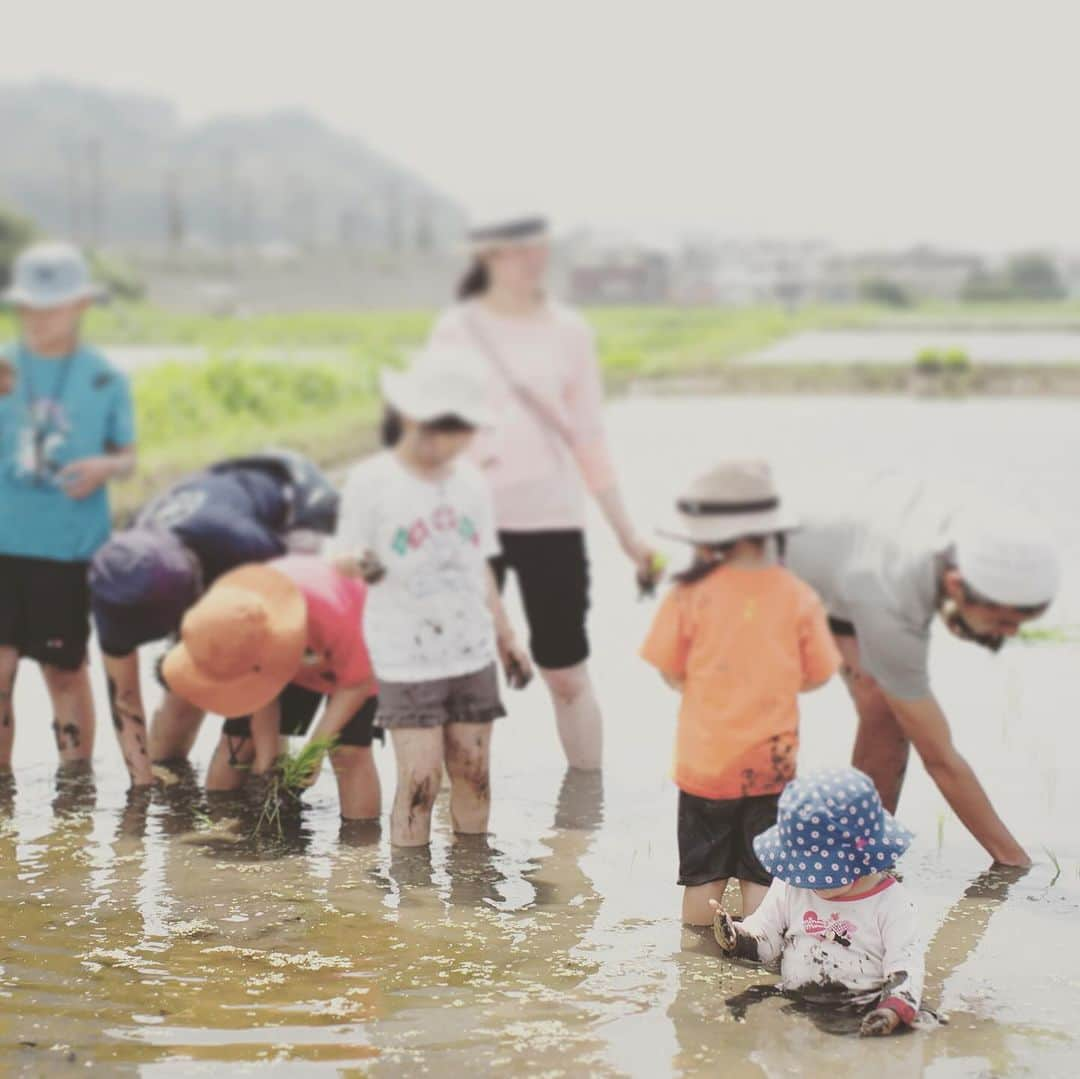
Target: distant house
[(619, 276), (740, 272), (923, 273)]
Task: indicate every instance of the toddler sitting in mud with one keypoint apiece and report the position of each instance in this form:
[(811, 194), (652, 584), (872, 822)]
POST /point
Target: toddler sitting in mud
[(841, 925)]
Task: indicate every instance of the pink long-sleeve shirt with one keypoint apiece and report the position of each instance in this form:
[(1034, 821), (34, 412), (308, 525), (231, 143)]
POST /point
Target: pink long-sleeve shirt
[(539, 473)]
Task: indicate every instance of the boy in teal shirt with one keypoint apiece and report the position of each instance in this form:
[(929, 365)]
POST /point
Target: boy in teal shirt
[(66, 431)]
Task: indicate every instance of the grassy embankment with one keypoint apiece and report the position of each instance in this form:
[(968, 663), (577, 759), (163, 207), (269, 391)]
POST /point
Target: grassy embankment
[(326, 404), (318, 391)]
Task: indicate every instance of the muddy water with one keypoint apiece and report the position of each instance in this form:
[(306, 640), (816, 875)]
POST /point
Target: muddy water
[(147, 936)]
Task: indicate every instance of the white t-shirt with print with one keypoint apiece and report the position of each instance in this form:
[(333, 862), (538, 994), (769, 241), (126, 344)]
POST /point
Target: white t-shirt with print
[(428, 617), (869, 944)]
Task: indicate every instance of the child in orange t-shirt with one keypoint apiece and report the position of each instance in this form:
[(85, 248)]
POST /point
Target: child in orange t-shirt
[(739, 637)]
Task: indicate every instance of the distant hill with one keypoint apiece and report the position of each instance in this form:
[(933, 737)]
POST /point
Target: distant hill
[(120, 170)]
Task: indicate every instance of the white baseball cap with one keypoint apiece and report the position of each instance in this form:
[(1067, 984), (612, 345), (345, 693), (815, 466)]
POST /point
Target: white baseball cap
[(1010, 559), (443, 380), (51, 275)]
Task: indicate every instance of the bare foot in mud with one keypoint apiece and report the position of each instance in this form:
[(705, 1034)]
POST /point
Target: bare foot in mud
[(724, 929), (878, 1023)]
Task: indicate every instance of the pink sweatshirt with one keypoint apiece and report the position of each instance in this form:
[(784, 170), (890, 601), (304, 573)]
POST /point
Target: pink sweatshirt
[(536, 475)]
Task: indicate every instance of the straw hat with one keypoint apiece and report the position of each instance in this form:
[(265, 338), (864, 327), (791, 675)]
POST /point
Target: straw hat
[(241, 644), (734, 500), (443, 380)]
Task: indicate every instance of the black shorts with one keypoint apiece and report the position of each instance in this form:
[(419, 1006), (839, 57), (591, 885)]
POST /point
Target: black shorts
[(299, 706), (553, 576), (716, 838), (45, 610)]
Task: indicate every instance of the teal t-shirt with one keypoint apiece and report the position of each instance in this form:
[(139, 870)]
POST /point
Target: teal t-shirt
[(58, 412)]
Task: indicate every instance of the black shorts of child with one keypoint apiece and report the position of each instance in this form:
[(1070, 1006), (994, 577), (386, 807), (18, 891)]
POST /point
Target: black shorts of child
[(45, 610), (299, 706), (716, 838), (552, 569)]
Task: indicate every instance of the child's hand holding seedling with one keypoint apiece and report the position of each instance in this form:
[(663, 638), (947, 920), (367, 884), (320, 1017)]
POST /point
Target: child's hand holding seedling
[(650, 573), (879, 1022)]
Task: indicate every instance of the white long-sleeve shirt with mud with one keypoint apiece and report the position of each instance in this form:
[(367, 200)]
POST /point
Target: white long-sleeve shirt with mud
[(869, 945)]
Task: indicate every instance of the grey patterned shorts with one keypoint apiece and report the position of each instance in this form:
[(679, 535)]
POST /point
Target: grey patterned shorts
[(469, 698)]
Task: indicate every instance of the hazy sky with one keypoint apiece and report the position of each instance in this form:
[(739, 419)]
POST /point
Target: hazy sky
[(952, 121)]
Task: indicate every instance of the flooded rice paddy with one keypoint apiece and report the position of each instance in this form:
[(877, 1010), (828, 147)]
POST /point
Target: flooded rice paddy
[(901, 346), (147, 935)]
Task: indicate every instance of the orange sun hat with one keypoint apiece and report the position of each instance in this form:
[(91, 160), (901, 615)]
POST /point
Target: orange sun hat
[(241, 644)]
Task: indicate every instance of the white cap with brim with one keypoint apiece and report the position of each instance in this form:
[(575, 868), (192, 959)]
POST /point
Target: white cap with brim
[(1008, 559), (441, 381), (51, 275)]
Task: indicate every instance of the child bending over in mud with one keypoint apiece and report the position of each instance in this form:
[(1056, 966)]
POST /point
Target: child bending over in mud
[(417, 522), (740, 637), (843, 929)]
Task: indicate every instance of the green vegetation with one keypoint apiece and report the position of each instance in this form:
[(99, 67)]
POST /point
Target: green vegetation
[(933, 361), (653, 342), (884, 291), (1029, 276), (190, 414), (309, 380), (1050, 634), (291, 776), (1056, 864)]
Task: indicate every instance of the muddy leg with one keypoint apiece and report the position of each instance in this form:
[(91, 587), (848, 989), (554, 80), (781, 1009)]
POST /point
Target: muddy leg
[(577, 716), (881, 748), (73, 709), (419, 754), (9, 662), (231, 763), (174, 728), (468, 763), (695, 902), (125, 705), (358, 783)]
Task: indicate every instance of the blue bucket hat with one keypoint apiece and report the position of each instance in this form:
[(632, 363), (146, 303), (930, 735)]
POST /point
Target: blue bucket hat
[(830, 830), (51, 275), (141, 583)]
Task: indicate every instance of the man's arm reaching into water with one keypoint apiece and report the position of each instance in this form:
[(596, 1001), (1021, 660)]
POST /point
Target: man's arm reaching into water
[(925, 724)]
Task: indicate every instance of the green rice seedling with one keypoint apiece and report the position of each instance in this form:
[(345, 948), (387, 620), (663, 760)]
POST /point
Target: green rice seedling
[(1056, 864), (291, 776), (1050, 634)]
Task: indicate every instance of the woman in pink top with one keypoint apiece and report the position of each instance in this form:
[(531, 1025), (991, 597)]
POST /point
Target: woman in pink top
[(546, 450)]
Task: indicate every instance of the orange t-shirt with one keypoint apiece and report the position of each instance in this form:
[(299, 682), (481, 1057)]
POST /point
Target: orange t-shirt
[(744, 641)]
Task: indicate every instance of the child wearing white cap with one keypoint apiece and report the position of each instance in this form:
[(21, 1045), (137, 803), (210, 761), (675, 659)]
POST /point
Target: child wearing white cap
[(834, 916), (417, 522)]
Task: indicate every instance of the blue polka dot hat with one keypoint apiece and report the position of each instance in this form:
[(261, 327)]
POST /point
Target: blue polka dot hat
[(830, 829)]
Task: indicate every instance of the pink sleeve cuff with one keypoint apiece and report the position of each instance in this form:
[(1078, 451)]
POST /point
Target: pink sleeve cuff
[(596, 466), (902, 1008)]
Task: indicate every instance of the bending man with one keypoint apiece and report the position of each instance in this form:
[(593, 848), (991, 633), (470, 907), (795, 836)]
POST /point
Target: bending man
[(884, 565)]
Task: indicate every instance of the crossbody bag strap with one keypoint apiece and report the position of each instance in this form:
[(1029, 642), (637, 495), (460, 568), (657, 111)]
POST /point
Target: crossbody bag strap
[(536, 405)]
